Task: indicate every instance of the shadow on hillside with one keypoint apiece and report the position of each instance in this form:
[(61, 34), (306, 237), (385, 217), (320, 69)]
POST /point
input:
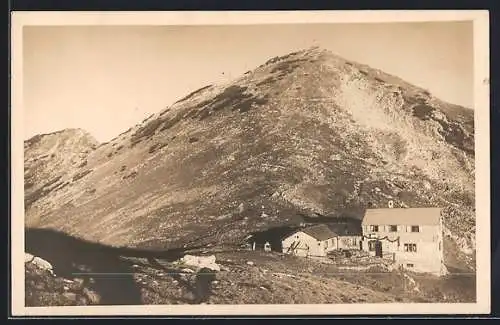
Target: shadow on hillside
[(112, 277), (73, 258), (273, 236)]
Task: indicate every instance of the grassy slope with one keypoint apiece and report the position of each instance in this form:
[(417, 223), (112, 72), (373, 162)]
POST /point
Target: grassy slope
[(308, 132)]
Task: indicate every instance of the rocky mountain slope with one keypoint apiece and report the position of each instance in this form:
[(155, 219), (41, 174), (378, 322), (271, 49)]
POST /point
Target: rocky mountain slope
[(309, 132), (47, 157)]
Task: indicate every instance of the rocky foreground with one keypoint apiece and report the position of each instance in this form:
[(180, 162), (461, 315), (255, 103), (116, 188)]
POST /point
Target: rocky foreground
[(241, 277)]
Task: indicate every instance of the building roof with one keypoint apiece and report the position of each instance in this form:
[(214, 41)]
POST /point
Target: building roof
[(404, 216), (346, 229), (319, 232)]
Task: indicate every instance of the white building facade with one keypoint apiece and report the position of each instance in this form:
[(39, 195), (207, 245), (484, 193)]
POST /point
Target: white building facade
[(413, 236), (314, 241)]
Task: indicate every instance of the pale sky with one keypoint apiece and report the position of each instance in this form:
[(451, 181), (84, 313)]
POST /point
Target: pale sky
[(107, 79)]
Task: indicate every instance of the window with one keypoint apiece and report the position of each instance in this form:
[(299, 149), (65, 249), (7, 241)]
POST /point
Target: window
[(410, 248), (371, 245), (326, 244), (374, 228), (415, 229), (409, 265), (393, 228)]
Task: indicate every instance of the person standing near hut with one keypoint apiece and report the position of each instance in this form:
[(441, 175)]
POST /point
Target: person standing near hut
[(267, 247)]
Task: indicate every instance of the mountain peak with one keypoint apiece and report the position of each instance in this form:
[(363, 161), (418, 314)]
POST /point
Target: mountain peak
[(306, 131), (68, 133)]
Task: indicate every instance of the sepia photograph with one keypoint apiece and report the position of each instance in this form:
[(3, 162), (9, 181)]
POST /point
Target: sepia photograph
[(250, 163)]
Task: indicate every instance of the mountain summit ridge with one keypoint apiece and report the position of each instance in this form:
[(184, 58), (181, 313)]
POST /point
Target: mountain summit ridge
[(307, 132)]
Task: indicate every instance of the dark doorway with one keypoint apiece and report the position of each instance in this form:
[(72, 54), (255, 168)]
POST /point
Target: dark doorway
[(360, 245), (378, 248)]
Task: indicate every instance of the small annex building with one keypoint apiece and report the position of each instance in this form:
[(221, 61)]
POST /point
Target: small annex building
[(314, 240), (348, 236), (318, 240)]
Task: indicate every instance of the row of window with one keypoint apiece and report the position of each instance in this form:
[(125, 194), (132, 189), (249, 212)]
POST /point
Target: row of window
[(393, 228), (345, 241), (409, 247)]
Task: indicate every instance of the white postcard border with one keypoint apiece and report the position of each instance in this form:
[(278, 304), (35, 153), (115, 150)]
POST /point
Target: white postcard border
[(481, 93)]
